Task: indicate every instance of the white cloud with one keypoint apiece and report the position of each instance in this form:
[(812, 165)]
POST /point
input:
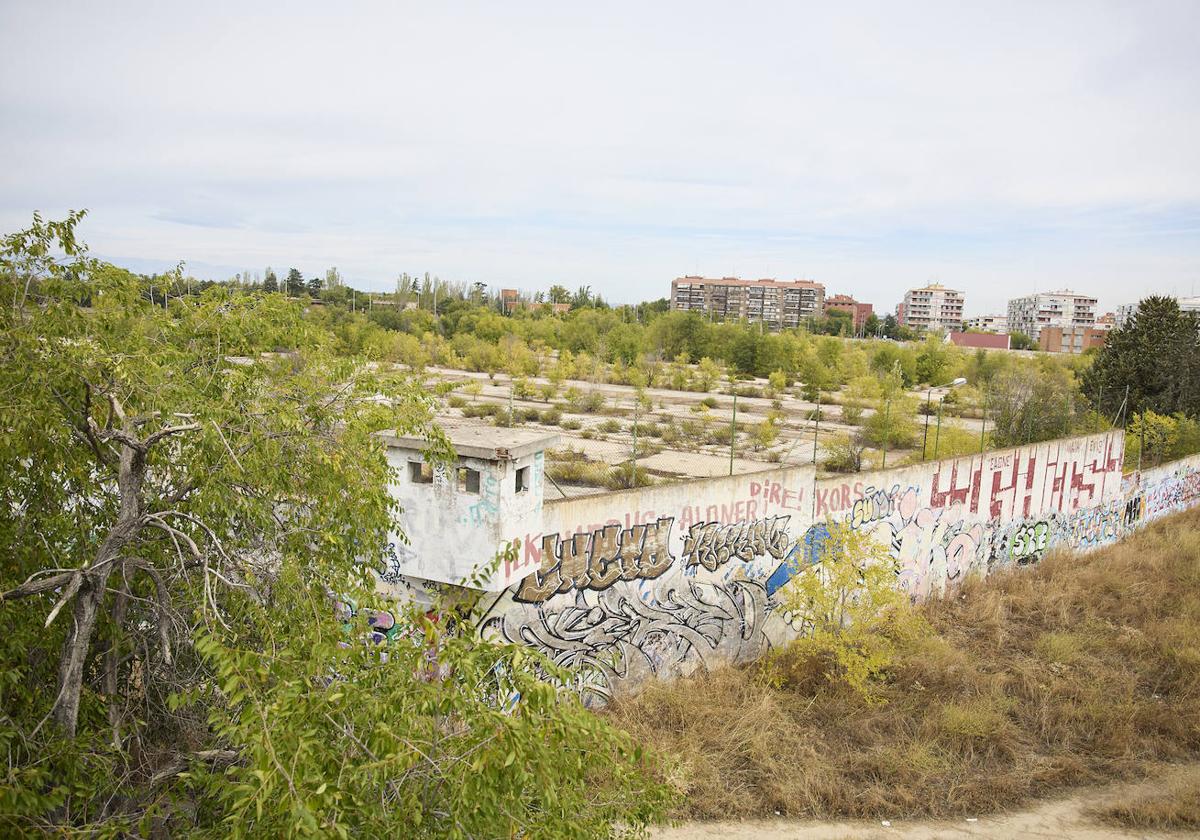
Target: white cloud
[(618, 145)]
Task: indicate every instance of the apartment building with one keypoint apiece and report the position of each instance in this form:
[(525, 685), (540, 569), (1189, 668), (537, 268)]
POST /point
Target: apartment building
[(988, 323), (1056, 339), (1124, 313), (859, 312), (1065, 309), (931, 307), (774, 303)]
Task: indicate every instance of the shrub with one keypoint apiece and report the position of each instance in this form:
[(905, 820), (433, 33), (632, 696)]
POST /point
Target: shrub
[(455, 401), (609, 426), (845, 454), (851, 610), (709, 402), (550, 417), (571, 423)]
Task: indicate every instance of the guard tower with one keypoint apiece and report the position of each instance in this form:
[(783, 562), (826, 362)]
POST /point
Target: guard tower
[(457, 516)]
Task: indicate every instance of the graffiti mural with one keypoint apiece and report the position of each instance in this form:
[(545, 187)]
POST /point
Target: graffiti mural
[(612, 637), (711, 544), (658, 582), (599, 559)]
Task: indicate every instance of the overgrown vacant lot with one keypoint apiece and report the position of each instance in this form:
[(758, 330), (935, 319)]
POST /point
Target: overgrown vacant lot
[(1081, 670)]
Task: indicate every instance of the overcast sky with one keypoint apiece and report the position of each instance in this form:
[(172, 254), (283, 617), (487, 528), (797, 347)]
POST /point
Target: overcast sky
[(998, 148)]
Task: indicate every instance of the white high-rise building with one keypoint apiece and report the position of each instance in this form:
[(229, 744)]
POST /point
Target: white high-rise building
[(1064, 309), (931, 307)]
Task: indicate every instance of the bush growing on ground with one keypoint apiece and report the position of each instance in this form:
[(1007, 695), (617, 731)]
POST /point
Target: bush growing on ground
[(951, 442), (845, 453), (980, 715), (850, 612)]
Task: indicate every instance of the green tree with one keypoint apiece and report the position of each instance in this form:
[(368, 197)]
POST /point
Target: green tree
[(559, 294), (708, 374), (270, 281), (294, 284), (313, 285), (1156, 355), (177, 510), (1020, 341), (1031, 403)]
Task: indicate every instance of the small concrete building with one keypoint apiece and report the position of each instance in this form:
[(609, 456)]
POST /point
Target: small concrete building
[(455, 514)]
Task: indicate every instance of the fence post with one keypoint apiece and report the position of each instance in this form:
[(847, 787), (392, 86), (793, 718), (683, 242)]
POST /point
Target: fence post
[(733, 430), (637, 404), (983, 428), (887, 421), (937, 436), (817, 428)]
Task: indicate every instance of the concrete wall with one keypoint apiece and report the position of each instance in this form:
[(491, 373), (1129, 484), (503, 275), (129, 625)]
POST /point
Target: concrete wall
[(944, 520), (658, 582), (449, 533)]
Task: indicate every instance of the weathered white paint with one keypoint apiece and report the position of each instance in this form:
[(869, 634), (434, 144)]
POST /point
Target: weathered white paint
[(450, 535)]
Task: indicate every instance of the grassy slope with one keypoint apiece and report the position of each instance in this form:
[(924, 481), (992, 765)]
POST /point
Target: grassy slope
[(1082, 669)]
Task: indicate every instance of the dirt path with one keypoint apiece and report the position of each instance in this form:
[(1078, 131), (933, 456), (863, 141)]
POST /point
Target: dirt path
[(1052, 818)]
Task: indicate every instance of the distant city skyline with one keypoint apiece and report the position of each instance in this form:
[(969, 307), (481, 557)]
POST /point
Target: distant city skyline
[(999, 149)]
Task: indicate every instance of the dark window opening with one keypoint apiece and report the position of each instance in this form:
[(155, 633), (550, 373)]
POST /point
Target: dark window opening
[(420, 472), (522, 479), (468, 480)]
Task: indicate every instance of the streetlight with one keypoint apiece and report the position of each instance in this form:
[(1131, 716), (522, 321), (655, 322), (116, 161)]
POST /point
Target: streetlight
[(928, 395)]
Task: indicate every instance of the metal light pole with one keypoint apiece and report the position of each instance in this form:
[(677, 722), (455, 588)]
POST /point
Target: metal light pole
[(928, 394)]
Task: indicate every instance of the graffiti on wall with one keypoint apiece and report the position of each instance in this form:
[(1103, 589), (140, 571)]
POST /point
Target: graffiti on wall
[(641, 595), (613, 637), (599, 559), (711, 544)]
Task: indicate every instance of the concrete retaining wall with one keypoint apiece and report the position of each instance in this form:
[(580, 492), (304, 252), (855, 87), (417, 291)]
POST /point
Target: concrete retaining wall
[(658, 582)]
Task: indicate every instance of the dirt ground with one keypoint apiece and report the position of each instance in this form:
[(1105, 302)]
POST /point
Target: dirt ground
[(1054, 818)]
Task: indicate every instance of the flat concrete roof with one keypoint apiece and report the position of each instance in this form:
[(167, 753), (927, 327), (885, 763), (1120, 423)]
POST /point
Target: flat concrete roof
[(489, 443)]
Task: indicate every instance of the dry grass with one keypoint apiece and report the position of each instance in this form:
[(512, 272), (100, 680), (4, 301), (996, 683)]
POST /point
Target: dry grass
[(1175, 807), (1081, 670)]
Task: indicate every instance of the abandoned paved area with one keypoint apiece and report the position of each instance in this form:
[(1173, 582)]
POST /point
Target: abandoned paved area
[(1066, 817)]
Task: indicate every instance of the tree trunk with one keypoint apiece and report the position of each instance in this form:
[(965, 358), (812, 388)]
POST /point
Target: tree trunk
[(91, 593)]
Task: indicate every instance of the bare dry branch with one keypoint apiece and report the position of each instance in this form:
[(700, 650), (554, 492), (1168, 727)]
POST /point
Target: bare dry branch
[(217, 758)]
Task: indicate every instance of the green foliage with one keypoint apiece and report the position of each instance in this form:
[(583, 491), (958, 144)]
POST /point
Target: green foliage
[(1031, 403), (892, 423), (182, 487), (430, 735), (1156, 356), (950, 441), (1153, 438), (845, 453), (849, 610), (1020, 341)]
